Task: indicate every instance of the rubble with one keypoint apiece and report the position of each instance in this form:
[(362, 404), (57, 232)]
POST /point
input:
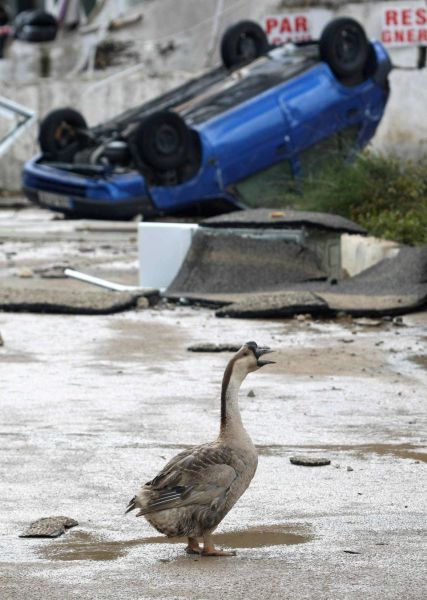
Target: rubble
[(309, 461), (110, 53), (49, 527), (214, 347), (365, 322), (26, 273)]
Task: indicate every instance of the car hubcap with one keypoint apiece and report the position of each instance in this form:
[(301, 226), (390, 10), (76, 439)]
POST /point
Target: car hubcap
[(167, 139), (347, 46), (64, 135), (247, 48)]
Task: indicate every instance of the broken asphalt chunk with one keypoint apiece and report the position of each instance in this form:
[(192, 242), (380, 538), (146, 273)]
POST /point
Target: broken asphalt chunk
[(310, 461), (277, 304), (214, 348), (49, 527)]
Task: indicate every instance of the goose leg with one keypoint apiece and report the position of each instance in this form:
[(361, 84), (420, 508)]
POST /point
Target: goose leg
[(210, 550), (193, 546)]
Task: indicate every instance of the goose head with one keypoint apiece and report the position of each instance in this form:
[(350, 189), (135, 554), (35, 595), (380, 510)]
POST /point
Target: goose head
[(248, 358)]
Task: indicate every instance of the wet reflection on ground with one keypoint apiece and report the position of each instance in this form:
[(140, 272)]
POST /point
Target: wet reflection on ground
[(86, 546)]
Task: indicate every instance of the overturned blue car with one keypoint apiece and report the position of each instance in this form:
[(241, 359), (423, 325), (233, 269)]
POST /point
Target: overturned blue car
[(261, 120)]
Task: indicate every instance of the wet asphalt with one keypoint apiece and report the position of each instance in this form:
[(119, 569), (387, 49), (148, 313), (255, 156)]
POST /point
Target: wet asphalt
[(94, 405)]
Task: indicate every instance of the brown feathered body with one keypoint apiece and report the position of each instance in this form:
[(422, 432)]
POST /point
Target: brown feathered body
[(196, 489)]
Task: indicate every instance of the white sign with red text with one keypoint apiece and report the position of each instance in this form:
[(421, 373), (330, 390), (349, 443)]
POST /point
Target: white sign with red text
[(404, 24), (301, 26)]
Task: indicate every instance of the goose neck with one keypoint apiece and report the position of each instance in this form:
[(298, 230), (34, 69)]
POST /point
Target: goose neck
[(230, 412)]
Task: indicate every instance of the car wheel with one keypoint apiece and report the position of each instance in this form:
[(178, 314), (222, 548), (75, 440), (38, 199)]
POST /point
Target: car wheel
[(61, 134), (34, 33), (344, 46), (35, 26), (162, 141), (242, 43)]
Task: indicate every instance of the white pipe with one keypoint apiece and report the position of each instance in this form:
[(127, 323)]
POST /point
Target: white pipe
[(27, 117), (104, 283)]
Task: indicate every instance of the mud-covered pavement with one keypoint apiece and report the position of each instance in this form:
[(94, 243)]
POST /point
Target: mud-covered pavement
[(94, 405)]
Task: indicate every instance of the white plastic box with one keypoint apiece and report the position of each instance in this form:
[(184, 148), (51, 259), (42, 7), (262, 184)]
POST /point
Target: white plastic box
[(162, 248)]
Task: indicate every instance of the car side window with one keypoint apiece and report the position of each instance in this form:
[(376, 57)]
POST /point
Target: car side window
[(330, 151), (265, 188), (270, 187)]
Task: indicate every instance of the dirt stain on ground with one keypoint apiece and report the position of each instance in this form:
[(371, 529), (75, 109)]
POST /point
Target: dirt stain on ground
[(345, 359), (139, 340), (86, 546), (420, 360)]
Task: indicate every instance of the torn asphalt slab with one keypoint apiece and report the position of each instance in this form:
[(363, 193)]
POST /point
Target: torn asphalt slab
[(230, 262), (271, 218), (283, 304), (66, 301), (393, 286)]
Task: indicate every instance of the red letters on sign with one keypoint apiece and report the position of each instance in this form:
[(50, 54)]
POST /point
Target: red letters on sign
[(301, 24), (270, 24), (286, 26), (289, 24), (391, 17), (405, 26), (406, 16), (421, 16)]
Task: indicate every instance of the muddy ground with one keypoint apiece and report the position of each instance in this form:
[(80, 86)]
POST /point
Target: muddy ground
[(94, 405)]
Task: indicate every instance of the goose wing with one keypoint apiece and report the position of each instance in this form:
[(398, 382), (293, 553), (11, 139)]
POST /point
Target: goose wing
[(202, 476)]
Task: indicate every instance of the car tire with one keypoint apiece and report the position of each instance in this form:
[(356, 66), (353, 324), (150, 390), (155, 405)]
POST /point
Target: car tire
[(162, 141), (344, 47), (35, 26), (39, 18), (242, 43), (61, 134), (36, 34)]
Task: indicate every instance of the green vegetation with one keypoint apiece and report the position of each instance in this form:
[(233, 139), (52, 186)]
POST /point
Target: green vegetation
[(385, 195)]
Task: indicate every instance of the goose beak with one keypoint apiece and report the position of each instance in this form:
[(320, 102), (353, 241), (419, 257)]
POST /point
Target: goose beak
[(260, 352)]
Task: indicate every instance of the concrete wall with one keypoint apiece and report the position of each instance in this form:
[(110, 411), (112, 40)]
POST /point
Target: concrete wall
[(193, 34), (96, 102)]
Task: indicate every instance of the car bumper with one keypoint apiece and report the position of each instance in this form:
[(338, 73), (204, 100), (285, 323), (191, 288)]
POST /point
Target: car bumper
[(84, 208), (103, 196)]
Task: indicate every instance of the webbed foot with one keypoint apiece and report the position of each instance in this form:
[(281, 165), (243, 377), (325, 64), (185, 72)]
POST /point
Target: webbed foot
[(193, 546), (212, 551)]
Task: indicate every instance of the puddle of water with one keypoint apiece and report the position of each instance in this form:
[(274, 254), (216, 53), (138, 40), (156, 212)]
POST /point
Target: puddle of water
[(23, 357), (420, 360), (140, 340), (262, 536), (85, 546), (397, 450)]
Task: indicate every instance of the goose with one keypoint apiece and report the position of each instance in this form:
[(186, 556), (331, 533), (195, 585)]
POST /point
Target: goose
[(196, 489)]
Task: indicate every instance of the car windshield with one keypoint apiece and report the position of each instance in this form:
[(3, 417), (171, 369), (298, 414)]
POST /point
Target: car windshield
[(243, 84)]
